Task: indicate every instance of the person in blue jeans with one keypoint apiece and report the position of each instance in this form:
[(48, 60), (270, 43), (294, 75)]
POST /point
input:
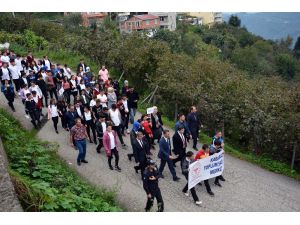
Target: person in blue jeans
[(166, 156), (78, 134)]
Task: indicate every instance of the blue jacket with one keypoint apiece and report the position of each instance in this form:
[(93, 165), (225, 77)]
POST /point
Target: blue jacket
[(193, 121), (186, 128), (164, 149), (4, 90), (70, 118)]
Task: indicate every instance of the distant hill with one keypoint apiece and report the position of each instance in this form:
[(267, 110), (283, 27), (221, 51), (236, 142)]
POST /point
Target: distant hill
[(270, 25)]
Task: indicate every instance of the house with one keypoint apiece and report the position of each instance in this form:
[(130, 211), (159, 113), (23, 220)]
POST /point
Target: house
[(145, 22), (167, 20), (89, 17), (207, 18)]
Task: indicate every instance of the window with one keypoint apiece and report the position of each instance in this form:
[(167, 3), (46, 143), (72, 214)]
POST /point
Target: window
[(155, 21), (147, 22), (161, 18), (137, 24)]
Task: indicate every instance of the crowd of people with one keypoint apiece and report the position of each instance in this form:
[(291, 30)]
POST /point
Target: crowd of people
[(94, 108)]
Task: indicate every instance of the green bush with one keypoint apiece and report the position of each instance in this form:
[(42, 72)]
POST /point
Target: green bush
[(43, 182)]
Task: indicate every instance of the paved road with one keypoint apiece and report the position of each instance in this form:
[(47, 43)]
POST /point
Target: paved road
[(247, 187)]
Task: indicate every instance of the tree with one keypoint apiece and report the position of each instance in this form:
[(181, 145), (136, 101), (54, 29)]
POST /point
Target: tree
[(286, 66), (73, 20), (297, 48), (234, 21)]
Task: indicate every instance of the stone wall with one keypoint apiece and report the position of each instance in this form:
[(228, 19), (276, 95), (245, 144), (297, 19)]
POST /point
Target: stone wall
[(8, 198)]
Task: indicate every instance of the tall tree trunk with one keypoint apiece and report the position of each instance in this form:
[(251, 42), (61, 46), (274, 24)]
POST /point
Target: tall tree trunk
[(294, 154), (176, 110)]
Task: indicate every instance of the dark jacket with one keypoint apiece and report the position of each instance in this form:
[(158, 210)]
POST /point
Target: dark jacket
[(193, 121), (185, 166), (42, 85), (186, 128), (22, 82), (139, 152), (178, 144), (70, 118), (99, 130), (8, 92), (150, 186), (30, 105), (132, 97), (213, 149), (153, 121), (81, 65), (164, 149)]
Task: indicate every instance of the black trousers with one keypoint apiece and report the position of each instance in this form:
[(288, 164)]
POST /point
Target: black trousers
[(160, 203), (180, 157), (17, 84), (74, 93), (194, 133), (45, 94), (55, 122), (142, 166), (67, 94), (118, 130), (53, 91), (100, 145), (63, 122), (218, 178), (91, 126), (116, 154), (34, 115), (193, 191), (10, 100)]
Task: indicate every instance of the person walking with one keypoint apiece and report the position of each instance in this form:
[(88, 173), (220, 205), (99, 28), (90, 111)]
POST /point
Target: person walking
[(100, 129), (140, 153), (53, 113), (111, 97), (135, 128), (189, 159), (15, 74), (157, 125), (150, 185), (165, 155), (88, 119), (133, 98), (110, 144), (216, 148), (71, 116), (201, 154), (115, 117), (30, 107), (181, 122), (193, 122), (8, 90), (78, 134), (179, 144)]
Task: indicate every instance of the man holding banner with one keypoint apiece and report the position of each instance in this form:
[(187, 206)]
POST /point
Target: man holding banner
[(186, 162), (207, 168)]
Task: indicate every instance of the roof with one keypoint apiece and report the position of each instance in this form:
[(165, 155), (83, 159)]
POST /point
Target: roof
[(146, 17)]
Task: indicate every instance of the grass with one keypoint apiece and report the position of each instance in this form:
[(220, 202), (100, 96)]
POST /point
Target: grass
[(42, 180), (263, 161)]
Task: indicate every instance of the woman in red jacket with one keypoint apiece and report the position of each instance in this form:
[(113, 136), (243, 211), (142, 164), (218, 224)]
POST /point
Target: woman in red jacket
[(147, 126), (110, 144)]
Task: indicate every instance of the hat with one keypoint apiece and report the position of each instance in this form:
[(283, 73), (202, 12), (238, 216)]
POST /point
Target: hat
[(151, 162)]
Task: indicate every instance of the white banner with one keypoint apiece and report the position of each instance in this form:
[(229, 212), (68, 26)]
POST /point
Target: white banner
[(206, 168), (150, 110)]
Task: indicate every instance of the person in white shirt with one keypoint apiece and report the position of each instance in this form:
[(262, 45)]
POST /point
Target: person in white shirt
[(18, 62), (4, 58), (4, 73), (115, 116), (53, 113), (93, 101), (15, 74), (88, 118), (47, 62), (67, 71), (103, 98), (125, 103), (79, 110), (36, 88)]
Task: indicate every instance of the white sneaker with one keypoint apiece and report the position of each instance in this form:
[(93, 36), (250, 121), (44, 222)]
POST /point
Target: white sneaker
[(186, 194), (198, 202), (27, 116)]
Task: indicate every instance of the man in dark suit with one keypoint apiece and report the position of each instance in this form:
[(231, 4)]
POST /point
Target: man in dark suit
[(179, 144), (165, 155), (71, 115), (193, 122), (140, 152), (82, 64), (100, 129)]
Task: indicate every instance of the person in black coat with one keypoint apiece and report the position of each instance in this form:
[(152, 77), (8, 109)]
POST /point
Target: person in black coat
[(8, 90), (193, 122), (81, 64), (157, 124), (100, 129), (140, 152), (179, 144), (70, 116), (42, 85), (24, 79), (150, 185), (133, 98), (32, 110)]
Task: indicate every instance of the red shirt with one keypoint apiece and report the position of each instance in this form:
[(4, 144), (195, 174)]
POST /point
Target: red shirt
[(201, 154), (147, 128), (78, 132)]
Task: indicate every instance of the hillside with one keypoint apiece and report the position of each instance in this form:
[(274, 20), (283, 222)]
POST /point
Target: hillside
[(272, 26)]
